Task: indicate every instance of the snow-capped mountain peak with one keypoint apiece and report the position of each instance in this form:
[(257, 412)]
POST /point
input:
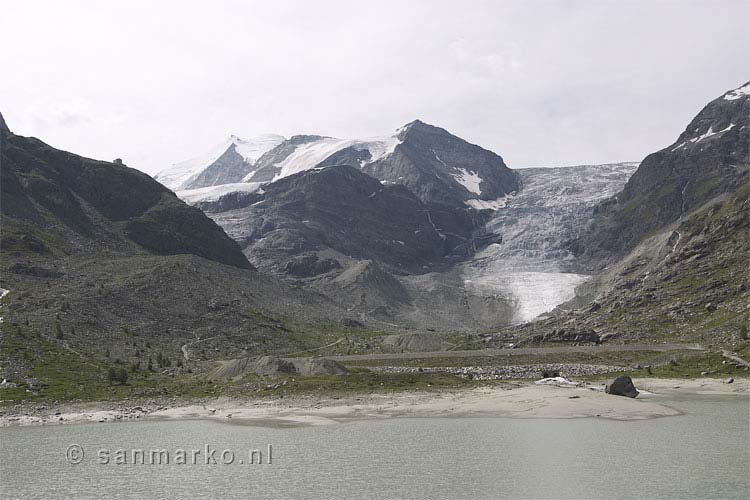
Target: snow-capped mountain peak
[(434, 164), (182, 175)]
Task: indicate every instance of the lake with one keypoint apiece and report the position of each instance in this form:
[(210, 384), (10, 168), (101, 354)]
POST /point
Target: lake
[(704, 453)]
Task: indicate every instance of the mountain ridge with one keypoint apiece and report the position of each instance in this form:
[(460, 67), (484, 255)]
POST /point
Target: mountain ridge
[(434, 164)]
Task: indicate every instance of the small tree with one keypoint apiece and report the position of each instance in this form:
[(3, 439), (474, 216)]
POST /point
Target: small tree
[(122, 376), (150, 365), (58, 330), (111, 375)]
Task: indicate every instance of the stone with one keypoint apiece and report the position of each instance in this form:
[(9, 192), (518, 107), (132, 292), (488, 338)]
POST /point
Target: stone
[(728, 380), (622, 386)]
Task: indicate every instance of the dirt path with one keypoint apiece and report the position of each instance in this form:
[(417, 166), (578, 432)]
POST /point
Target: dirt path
[(521, 351)]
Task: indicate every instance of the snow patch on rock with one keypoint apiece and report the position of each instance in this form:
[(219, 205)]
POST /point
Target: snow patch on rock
[(709, 133), (469, 180), (738, 93), (213, 193)]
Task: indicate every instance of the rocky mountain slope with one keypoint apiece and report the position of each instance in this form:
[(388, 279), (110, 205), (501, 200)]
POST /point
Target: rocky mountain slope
[(677, 241), (709, 158), (99, 263), (687, 282), (435, 165), (297, 221), (383, 254), (58, 203)]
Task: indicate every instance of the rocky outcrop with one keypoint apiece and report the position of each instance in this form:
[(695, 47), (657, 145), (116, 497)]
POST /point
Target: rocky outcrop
[(566, 334), (439, 167), (709, 158), (622, 386), (308, 265)]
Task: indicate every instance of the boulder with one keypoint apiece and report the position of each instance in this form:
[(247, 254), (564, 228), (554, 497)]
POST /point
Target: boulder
[(622, 386)]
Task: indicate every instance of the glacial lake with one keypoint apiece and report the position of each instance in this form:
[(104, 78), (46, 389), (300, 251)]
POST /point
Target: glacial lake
[(704, 453)]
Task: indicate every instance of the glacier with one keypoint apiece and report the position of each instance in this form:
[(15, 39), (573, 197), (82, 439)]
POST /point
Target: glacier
[(531, 266)]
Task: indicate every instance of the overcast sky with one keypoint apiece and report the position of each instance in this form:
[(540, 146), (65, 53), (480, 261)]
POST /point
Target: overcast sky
[(540, 83)]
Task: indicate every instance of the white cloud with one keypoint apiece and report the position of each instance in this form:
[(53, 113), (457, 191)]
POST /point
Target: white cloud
[(542, 82)]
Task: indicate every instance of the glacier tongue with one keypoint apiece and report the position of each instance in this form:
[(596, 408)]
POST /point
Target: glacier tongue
[(532, 266)]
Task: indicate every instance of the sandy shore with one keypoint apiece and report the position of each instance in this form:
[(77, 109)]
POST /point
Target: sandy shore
[(515, 401)]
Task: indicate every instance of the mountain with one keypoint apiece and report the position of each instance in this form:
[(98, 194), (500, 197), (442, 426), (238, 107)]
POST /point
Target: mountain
[(686, 282), (100, 265), (316, 213), (672, 247), (435, 165), (226, 163), (60, 203), (709, 158), (442, 168)]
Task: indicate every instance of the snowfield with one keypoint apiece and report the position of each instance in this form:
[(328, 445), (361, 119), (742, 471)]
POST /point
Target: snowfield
[(307, 156)]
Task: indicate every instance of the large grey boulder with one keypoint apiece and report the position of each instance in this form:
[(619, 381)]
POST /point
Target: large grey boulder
[(622, 386)]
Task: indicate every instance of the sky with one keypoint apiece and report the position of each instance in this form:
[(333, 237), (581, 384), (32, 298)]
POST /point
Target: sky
[(541, 83)]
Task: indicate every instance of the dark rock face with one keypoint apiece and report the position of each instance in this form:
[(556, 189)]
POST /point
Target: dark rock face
[(230, 167), (431, 162), (343, 209), (568, 334), (230, 201), (101, 202), (709, 158), (305, 266), (3, 127), (622, 386)]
